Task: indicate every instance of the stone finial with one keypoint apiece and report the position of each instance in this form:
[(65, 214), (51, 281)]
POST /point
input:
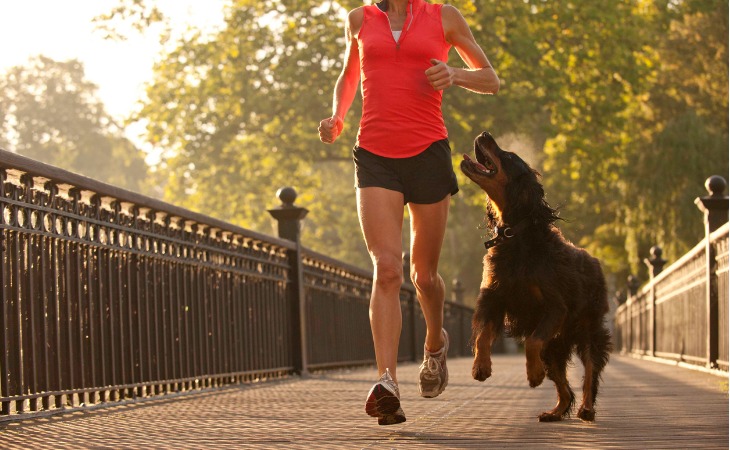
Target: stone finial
[(655, 262), (716, 186), (287, 215), (633, 285), (715, 205), (457, 291), (287, 195)]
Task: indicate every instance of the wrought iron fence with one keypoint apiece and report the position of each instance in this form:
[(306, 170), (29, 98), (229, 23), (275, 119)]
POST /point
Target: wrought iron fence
[(681, 314), (107, 295)]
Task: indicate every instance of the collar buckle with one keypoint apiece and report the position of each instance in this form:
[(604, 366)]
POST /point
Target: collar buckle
[(501, 234)]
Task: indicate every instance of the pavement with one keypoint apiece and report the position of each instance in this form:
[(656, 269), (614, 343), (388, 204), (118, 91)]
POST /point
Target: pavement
[(642, 404)]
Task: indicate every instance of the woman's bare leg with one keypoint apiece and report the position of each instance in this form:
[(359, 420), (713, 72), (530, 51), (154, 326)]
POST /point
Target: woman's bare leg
[(428, 226), (381, 219)]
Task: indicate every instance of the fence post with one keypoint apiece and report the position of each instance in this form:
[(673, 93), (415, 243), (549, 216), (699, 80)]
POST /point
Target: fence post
[(715, 209), (457, 292), (655, 264), (457, 296), (289, 219), (632, 284), (406, 261)]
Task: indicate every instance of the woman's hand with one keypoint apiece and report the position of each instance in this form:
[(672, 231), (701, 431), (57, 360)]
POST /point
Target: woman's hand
[(330, 129), (440, 75)]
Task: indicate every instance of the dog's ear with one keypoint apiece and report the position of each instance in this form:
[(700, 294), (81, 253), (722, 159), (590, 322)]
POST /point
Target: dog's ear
[(525, 169), (516, 166)]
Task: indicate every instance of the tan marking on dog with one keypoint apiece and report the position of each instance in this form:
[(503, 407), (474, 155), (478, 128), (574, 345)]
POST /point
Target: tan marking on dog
[(535, 367), (486, 274), (482, 368)]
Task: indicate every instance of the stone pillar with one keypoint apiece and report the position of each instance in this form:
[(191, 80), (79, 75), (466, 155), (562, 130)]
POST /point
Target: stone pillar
[(287, 215), (632, 283), (289, 219), (457, 292), (406, 261), (715, 210), (715, 205), (655, 263)]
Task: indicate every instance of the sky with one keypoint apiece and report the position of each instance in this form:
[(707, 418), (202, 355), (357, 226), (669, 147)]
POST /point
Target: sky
[(62, 30)]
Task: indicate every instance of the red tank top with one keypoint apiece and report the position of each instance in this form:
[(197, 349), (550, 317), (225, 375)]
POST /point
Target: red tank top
[(401, 112)]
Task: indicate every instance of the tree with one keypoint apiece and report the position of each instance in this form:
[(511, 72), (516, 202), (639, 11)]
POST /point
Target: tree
[(686, 128), (237, 116), (50, 112), (590, 91), (629, 103)]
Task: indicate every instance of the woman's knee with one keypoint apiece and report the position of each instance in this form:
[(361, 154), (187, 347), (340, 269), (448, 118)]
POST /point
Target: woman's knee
[(426, 281), (388, 272)]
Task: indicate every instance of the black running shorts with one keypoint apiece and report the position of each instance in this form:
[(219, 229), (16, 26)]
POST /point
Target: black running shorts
[(424, 179)]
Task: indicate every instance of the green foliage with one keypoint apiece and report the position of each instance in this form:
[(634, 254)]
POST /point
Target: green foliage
[(623, 107), (49, 112), (136, 13), (237, 115)]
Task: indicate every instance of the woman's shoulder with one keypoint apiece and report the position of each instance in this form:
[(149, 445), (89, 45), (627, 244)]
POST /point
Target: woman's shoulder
[(450, 12), (452, 19), (355, 17)]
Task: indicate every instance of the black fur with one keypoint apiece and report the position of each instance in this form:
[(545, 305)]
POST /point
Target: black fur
[(546, 291)]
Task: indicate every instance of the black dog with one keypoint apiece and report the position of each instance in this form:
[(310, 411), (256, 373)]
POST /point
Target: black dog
[(546, 291)]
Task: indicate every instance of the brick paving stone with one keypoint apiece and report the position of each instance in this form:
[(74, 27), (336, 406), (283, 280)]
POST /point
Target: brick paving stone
[(642, 404)]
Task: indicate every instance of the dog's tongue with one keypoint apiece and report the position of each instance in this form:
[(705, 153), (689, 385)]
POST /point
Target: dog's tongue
[(476, 163)]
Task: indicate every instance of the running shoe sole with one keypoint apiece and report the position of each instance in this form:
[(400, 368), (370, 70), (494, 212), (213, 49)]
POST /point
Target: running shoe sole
[(381, 403), (392, 419)]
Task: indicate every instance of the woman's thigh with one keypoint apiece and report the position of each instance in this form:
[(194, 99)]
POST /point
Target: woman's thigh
[(381, 220), (428, 226)]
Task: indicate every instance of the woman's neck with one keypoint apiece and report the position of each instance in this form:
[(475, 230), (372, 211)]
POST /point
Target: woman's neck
[(399, 7)]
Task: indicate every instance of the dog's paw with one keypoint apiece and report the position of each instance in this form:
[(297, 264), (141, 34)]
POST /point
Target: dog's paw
[(535, 378), (535, 382), (480, 373), (535, 373), (587, 415), (550, 416)]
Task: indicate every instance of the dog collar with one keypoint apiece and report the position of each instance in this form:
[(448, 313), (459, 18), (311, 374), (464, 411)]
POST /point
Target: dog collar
[(506, 232)]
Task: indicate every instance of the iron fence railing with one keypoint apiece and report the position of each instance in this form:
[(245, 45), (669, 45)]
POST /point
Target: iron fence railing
[(107, 295), (681, 314), (338, 329)]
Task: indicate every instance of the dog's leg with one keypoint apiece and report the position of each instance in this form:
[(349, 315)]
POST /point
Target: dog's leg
[(546, 329), (586, 411), (482, 368), (557, 354), (534, 365), (487, 324), (594, 357)]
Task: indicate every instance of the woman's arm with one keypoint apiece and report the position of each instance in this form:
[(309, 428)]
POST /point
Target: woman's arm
[(347, 82), (480, 76)]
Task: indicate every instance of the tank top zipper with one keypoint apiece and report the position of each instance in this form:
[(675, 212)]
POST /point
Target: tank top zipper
[(397, 42)]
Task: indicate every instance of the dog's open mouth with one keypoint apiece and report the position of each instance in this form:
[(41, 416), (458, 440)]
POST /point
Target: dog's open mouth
[(483, 165)]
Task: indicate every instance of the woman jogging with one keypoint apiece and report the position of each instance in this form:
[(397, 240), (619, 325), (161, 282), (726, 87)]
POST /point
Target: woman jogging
[(398, 49)]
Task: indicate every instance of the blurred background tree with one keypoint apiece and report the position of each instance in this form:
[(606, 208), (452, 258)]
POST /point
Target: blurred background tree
[(622, 107), (50, 112)]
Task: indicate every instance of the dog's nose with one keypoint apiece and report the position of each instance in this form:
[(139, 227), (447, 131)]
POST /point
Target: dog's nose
[(485, 134)]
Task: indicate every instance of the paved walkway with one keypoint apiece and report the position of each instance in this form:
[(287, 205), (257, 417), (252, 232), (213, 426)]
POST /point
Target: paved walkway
[(642, 405)]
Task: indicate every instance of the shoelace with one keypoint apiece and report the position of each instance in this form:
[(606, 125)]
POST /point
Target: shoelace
[(433, 366), (387, 379)]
